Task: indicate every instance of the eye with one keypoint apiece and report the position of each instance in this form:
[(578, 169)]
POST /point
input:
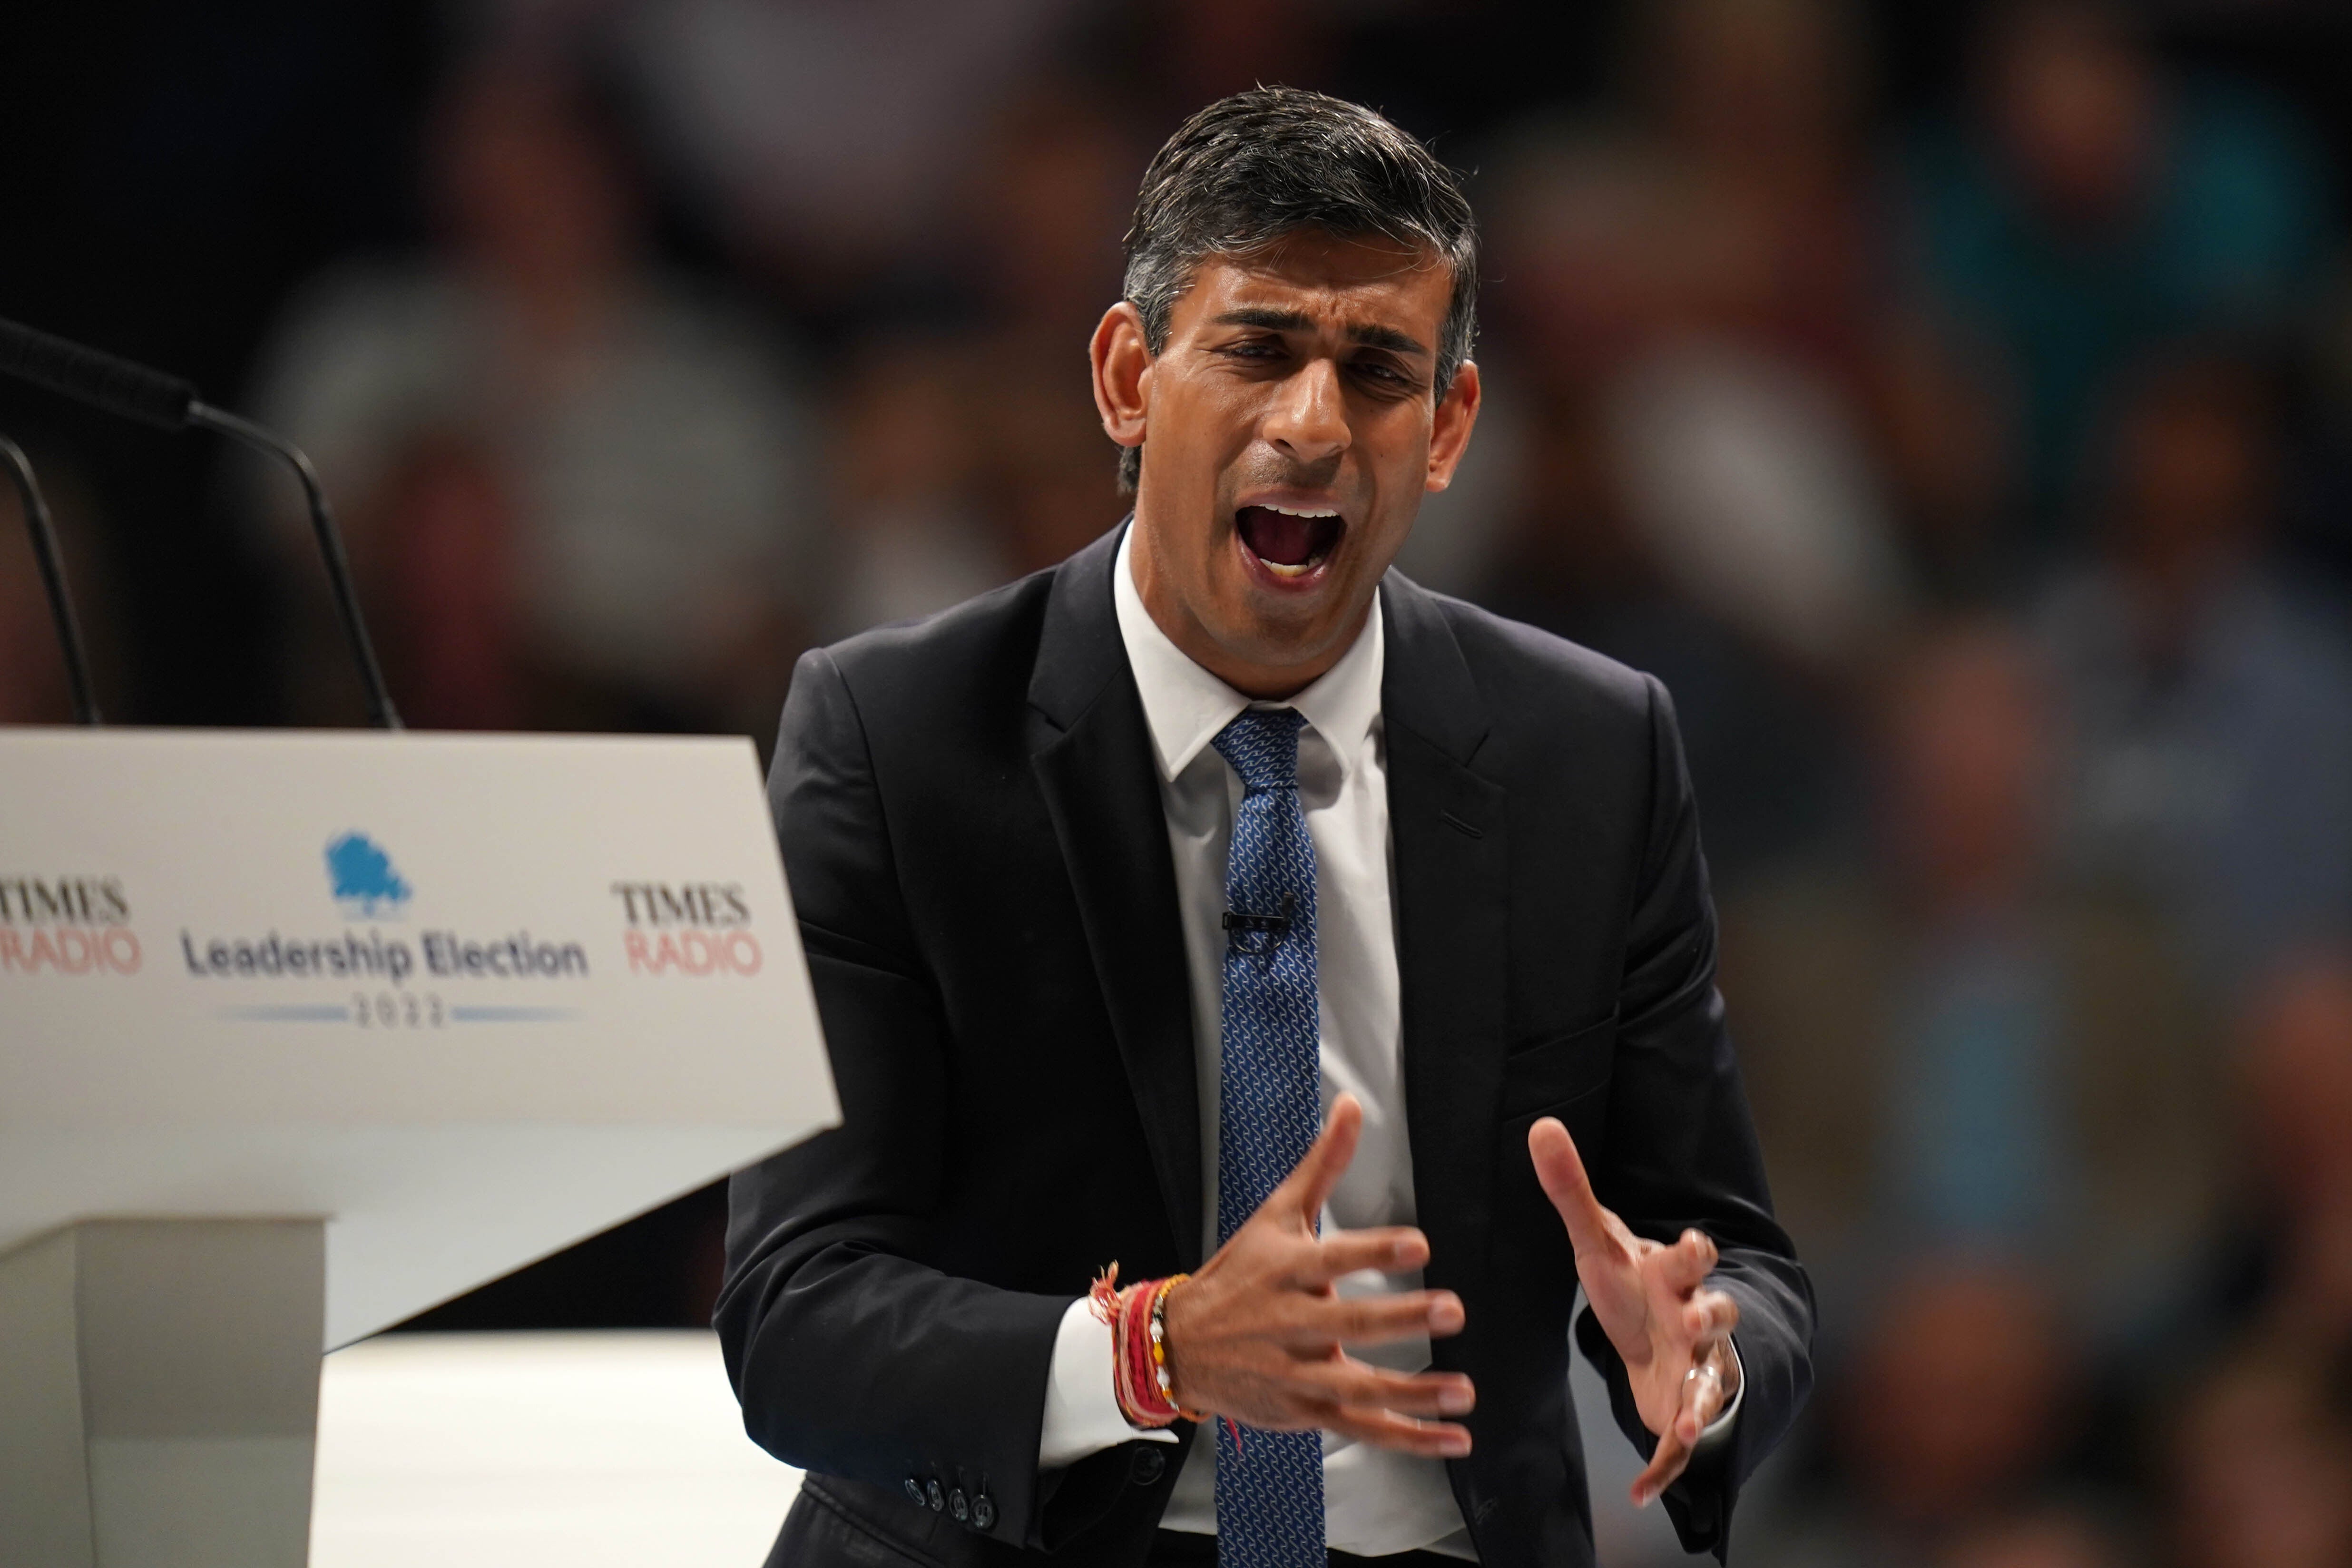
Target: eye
[(1381, 374)]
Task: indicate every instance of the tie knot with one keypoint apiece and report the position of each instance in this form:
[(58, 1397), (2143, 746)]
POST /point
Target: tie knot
[(1262, 743)]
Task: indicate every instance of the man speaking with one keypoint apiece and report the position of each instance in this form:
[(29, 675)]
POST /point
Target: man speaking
[(1333, 957)]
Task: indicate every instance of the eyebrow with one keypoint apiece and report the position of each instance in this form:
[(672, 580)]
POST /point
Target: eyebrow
[(1369, 334)]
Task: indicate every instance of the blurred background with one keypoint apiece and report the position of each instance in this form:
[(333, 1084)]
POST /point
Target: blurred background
[(1952, 404)]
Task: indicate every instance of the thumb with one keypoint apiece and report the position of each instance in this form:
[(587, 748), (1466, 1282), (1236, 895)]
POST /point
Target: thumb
[(1308, 1187)]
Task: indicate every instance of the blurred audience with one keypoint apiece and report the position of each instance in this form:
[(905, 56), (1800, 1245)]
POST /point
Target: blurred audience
[(1949, 1047), (1050, 195), (1759, 107), (449, 599), (1712, 309), (1941, 409), (2296, 1071), (2057, 1537), (2099, 202), (1689, 287), (2210, 698), (645, 452), (1947, 1417), (825, 139), (913, 538), (2260, 1466)]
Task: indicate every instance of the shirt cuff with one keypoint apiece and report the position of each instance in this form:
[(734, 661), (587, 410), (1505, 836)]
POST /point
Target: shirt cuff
[(1082, 1413), (1720, 1429)]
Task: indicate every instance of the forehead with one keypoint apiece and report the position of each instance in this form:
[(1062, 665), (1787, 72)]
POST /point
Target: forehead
[(1340, 281)]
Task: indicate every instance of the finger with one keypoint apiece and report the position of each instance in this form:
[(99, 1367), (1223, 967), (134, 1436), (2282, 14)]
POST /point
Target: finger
[(1386, 1430), (1707, 1317), (1668, 1460), (1561, 1171), (1345, 1381), (1686, 1265), (1392, 1249), (1703, 1401), (1317, 1321), (1307, 1189)]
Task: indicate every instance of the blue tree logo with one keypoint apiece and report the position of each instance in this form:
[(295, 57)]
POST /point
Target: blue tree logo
[(365, 883)]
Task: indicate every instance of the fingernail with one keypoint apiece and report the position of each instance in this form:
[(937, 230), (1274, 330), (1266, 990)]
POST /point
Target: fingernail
[(1454, 1444), (1642, 1497), (1446, 1315), (1455, 1401)]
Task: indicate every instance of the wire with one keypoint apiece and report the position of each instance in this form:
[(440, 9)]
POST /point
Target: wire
[(53, 577)]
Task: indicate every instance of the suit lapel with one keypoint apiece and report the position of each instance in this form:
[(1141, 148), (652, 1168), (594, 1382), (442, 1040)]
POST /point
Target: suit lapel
[(1091, 752), (1448, 825)]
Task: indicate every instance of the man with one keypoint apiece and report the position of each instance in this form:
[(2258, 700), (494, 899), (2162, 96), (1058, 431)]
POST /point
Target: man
[(1111, 880)]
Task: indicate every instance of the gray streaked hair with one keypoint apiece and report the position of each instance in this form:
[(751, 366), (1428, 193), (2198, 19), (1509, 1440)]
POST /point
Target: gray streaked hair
[(1250, 170)]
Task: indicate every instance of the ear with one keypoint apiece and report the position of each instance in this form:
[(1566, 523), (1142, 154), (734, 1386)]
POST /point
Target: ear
[(1123, 362), (1449, 432)]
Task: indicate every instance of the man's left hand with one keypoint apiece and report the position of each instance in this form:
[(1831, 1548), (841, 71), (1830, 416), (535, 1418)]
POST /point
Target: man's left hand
[(1673, 1334)]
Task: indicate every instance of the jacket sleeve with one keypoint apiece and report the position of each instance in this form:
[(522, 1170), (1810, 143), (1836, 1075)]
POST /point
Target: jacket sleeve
[(1682, 1153), (850, 1357)]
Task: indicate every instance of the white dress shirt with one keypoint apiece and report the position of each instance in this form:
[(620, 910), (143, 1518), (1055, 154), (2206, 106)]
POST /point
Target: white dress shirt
[(1376, 1500)]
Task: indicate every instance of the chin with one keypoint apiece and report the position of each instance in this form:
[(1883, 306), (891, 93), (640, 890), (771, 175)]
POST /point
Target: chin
[(1281, 629)]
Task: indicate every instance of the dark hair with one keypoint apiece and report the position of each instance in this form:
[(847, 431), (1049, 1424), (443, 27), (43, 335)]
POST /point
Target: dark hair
[(1253, 169)]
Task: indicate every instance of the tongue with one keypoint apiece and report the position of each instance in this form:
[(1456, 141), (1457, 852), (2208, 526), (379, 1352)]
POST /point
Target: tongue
[(1278, 537)]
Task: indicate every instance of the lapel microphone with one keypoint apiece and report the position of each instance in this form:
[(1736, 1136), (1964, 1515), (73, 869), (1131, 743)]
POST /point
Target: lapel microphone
[(1241, 927), (165, 402)]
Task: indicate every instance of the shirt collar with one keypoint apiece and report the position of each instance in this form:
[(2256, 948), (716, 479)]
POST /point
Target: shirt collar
[(1185, 706)]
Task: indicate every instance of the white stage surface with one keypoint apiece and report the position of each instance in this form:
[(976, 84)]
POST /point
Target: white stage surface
[(621, 1450), (513, 1450)]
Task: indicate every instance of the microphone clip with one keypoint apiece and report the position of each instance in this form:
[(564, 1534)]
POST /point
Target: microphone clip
[(1258, 935)]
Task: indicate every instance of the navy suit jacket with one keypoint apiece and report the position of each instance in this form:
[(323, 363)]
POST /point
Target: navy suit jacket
[(971, 830)]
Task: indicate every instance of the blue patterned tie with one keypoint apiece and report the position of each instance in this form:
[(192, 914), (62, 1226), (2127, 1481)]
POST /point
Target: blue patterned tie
[(1269, 1484)]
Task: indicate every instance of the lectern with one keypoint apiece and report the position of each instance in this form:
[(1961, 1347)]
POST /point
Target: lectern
[(301, 1033)]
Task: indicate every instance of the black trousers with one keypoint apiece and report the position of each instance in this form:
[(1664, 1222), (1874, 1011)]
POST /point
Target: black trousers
[(1182, 1549)]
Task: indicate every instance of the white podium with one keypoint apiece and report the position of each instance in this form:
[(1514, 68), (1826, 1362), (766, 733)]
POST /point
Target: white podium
[(301, 1033)]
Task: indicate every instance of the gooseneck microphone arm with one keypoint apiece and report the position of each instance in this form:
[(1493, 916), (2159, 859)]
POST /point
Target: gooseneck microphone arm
[(331, 547), (52, 562), (168, 402)]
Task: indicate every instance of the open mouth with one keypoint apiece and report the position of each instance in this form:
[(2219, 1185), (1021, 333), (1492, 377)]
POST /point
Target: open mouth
[(1291, 543)]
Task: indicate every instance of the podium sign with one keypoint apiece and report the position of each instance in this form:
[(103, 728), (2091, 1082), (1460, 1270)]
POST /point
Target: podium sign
[(459, 1000)]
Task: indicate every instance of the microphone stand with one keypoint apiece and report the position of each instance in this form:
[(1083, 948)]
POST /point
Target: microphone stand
[(331, 547), (168, 402), (43, 536)]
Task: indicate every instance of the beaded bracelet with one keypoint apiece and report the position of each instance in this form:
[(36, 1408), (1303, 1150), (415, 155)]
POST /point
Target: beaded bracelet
[(1140, 1375)]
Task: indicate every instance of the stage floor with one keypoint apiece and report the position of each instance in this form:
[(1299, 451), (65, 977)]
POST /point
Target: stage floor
[(587, 1450), (618, 1450)]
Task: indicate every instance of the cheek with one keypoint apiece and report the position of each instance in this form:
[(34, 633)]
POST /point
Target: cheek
[(1398, 460), (1200, 410)]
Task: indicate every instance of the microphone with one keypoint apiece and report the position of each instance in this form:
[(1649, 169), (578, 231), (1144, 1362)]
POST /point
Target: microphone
[(53, 578), (150, 397)]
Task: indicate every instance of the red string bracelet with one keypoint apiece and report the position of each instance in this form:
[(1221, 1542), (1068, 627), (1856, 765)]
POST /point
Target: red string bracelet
[(1140, 1375)]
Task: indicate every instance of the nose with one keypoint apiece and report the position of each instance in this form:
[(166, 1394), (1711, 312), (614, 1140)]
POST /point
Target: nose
[(1309, 421)]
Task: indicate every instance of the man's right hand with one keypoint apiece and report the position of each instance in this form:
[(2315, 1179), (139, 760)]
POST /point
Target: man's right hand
[(1256, 1335)]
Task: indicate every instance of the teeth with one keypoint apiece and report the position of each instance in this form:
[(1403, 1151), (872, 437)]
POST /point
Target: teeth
[(1279, 570), (1298, 512)]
